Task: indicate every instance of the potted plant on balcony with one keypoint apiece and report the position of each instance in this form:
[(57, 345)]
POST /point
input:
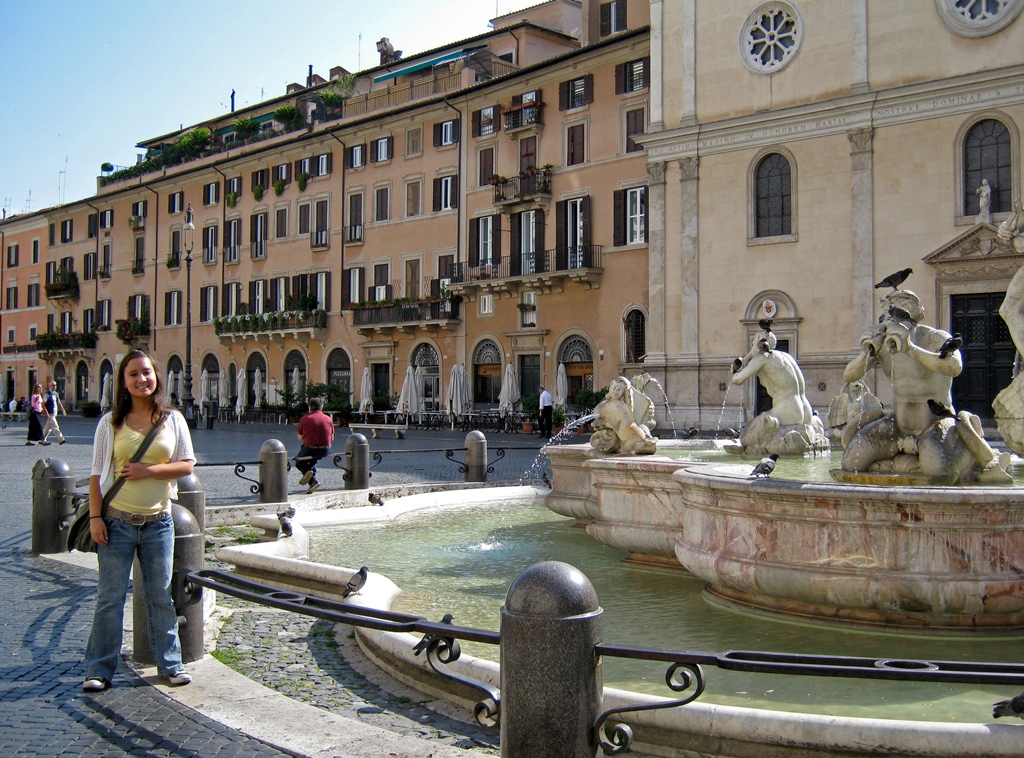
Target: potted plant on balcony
[(257, 192), (303, 180), (279, 186)]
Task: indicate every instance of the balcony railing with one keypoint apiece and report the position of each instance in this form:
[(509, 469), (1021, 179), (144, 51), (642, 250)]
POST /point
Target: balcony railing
[(523, 116), (258, 249), (174, 260), (53, 341), (372, 314), (320, 238), (231, 254), (521, 188), (557, 260), (354, 233), (389, 97), (29, 348), (274, 321), (63, 286), (104, 271), (138, 267)]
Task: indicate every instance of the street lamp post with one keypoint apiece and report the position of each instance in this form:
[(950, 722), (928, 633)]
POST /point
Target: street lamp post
[(187, 401)]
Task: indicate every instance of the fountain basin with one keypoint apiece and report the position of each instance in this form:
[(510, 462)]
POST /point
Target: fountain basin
[(935, 559)]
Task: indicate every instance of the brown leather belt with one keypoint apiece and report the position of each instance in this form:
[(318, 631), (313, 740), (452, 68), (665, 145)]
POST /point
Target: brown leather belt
[(135, 519)]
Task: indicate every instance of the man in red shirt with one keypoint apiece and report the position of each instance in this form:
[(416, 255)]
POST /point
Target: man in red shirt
[(316, 433)]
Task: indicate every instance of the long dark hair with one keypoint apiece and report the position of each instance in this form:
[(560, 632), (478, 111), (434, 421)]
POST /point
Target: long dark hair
[(123, 400)]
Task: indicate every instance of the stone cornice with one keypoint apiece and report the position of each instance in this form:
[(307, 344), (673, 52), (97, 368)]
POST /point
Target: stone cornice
[(915, 102)]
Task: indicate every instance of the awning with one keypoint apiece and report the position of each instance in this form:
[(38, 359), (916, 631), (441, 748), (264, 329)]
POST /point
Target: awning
[(419, 66)]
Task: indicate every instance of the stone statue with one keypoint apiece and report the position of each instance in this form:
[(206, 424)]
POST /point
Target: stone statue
[(616, 428), (1010, 230), (790, 426), (922, 434), (643, 408), (984, 193), (1009, 404), (853, 399)]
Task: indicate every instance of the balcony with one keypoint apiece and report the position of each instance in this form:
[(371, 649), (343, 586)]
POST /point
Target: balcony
[(137, 223), (16, 349), (430, 315), (138, 268), (526, 189), (63, 287), (389, 97), (354, 233), (56, 344), (320, 239), (104, 271), (524, 120), (174, 260), (273, 326), (545, 271)]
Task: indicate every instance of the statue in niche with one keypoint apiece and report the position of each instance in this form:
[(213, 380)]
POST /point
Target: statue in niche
[(789, 427), (616, 427), (853, 399), (922, 434), (984, 193)]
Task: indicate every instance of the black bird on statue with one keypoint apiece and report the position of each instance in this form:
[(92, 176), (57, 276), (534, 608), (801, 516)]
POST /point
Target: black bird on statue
[(895, 280), (951, 345), (765, 324), (1011, 707), (941, 410)]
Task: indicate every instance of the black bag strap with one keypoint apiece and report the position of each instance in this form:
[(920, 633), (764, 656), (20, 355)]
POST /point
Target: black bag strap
[(119, 482)]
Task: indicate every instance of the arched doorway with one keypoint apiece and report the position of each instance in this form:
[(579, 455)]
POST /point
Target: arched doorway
[(425, 359), (255, 392), (60, 375), (212, 368), (175, 377), (81, 383), (486, 374), (295, 375), (578, 358), (339, 372)]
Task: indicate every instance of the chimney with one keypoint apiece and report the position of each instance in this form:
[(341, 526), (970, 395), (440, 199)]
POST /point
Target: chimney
[(309, 76), (388, 54)]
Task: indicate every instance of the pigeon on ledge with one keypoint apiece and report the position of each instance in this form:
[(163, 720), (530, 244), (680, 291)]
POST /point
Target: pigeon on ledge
[(376, 499), (765, 467), (951, 345), (356, 582), (1012, 707)]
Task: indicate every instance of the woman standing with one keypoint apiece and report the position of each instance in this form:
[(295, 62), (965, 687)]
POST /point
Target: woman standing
[(35, 417), (137, 521)]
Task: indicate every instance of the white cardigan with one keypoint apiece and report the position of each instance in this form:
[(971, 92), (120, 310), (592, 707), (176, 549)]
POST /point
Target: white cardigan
[(103, 450)]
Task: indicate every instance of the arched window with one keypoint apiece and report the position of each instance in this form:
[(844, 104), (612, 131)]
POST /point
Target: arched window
[(773, 196), (255, 380), (579, 364), (987, 156), (635, 327), (81, 382), (486, 373), (424, 358)]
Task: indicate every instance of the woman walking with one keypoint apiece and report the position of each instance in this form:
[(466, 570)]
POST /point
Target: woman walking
[(35, 417), (137, 519)]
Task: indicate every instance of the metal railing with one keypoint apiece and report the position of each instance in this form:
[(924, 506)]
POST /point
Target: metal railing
[(519, 188), (526, 115), (389, 97), (442, 309), (559, 259)]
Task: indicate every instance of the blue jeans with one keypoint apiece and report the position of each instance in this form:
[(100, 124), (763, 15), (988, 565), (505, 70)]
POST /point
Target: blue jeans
[(154, 544)]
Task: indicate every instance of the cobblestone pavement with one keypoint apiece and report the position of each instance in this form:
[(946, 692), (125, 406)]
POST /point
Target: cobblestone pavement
[(48, 610)]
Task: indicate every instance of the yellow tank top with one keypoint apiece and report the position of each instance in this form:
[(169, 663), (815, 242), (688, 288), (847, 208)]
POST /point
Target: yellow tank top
[(149, 495)]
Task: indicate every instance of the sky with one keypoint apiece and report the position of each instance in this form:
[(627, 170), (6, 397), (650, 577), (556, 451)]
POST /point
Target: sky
[(83, 81)]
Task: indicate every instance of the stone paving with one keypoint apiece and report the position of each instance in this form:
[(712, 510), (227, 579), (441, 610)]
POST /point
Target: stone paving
[(48, 610)]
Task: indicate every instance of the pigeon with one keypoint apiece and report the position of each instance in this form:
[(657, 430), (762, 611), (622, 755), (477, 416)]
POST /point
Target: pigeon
[(375, 499), (544, 478), (690, 433), (765, 324), (765, 467), (895, 280), (899, 313), (940, 409), (737, 364), (285, 517), (951, 345), (730, 433), (763, 347), (356, 582), (1012, 707)]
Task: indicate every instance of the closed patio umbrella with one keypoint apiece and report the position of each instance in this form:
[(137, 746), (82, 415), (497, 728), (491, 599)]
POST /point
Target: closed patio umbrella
[(409, 398), (366, 392), (107, 392), (458, 393), (295, 381), (561, 386), (509, 394), (240, 400), (172, 388)]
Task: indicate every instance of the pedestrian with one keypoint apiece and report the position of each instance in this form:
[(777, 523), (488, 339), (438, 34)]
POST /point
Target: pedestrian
[(36, 418), (51, 406), (136, 520), (547, 409), (316, 433)]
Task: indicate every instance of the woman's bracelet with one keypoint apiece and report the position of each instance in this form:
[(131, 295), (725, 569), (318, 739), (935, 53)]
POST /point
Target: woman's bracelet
[(92, 517)]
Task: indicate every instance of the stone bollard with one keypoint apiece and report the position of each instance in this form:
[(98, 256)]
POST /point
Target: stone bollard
[(189, 513), (273, 472), (357, 451), (53, 506), (551, 685), (476, 457)]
